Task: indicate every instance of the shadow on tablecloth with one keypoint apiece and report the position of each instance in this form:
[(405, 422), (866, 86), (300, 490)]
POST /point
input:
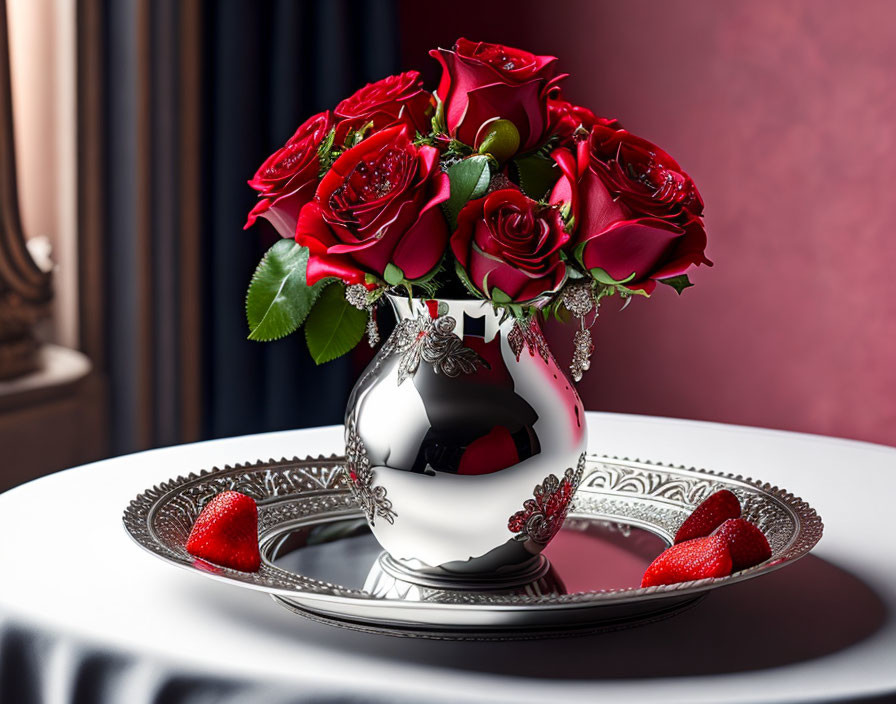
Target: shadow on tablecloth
[(808, 610)]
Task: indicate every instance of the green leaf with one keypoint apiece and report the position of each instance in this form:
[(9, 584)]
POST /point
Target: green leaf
[(278, 298), (326, 155), (679, 283), (469, 180), (501, 139), (566, 211), (550, 145), (326, 144), (498, 296), (603, 277), (334, 326), (393, 275), (628, 292), (355, 137), (537, 175), (456, 151), (421, 139), (438, 117)]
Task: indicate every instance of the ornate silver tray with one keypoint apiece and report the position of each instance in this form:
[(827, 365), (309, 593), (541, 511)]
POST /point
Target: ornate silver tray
[(319, 559)]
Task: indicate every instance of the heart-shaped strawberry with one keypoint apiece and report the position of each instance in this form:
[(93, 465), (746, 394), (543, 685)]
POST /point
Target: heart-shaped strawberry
[(226, 532), (709, 515), (694, 559), (746, 543)]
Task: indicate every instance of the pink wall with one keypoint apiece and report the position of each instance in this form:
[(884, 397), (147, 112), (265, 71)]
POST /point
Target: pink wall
[(785, 115)]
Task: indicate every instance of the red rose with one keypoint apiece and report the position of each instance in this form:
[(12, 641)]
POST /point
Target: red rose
[(643, 176), (287, 178), (483, 82), (377, 205), (630, 247), (564, 118), (393, 99), (509, 242)]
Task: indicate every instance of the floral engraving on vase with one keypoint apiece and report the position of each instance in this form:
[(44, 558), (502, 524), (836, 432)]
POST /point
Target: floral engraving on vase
[(543, 515), (433, 341), (371, 498), (528, 336)]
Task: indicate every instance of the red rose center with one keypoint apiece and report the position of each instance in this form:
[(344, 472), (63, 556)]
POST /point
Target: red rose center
[(519, 230), (517, 226), (662, 183), (372, 179), (501, 58)]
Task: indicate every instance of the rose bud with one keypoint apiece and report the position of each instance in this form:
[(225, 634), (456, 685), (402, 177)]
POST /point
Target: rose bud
[(508, 243), (384, 103), (643, 176), (630, 248), (377, 205), (287, 178), (482, 82)]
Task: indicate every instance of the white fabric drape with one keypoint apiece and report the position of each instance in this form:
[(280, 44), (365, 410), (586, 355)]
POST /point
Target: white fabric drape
[(87, 617)]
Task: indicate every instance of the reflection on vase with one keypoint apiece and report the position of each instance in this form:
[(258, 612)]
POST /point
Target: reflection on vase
[(459, 421)]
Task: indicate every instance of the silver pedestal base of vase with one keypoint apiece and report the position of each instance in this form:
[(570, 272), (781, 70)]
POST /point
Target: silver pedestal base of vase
[(504, 577), (464, 445), (390, 579)]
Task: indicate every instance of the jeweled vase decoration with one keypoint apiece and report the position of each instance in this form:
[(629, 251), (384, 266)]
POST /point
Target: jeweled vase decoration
[(465, 443)]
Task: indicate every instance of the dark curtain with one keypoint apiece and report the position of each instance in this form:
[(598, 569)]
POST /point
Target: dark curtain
[(265, 67), (271, 65)]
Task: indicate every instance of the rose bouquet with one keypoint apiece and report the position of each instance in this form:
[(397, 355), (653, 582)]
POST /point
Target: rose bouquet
[(493, 187)]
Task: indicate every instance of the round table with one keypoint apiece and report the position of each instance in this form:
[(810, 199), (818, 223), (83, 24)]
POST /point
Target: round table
[(87, 616)]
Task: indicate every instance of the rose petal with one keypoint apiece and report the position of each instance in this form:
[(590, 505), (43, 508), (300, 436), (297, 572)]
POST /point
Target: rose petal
[(312, 230), (421, 249), (283, 212), (462, 238), (521, 104), (422, 246), (321, 266), (631, 247), (688, 252), (524, 65), (597, 208), (428, 160), (260, 207), (565, 189)]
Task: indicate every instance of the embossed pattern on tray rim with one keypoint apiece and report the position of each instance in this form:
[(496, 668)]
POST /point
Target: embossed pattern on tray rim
[(141, 511)]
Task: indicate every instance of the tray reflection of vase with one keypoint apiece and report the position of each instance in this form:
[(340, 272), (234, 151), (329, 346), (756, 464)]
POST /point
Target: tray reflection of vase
[(464, 445)]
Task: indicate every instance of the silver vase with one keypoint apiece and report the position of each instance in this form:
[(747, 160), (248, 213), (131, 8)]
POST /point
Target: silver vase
[(464, 445)]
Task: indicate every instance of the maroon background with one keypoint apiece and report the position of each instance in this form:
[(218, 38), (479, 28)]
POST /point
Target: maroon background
[(785, 115)]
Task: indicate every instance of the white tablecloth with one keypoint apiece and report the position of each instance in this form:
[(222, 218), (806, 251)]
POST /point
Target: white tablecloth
[(86, 616)]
